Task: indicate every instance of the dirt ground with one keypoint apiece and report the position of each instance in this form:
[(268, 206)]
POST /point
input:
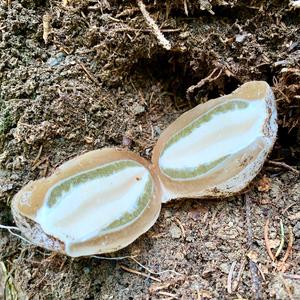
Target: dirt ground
[(81, 75)]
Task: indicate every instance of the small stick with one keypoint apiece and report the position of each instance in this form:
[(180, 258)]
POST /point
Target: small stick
[(139, 273), (145, 30), (88, 73), (287, 208), (288, 289), (256, 285), (229, 278), (261, 273), (281, 239), (267, 241), (38, 155), (292, 276), (112, 258), (283, 165), (154, 28), (191, 90), (290, 245), (239, 276), (181, 227), (185, 7), (168, 294), (151, 271), (46, 27)]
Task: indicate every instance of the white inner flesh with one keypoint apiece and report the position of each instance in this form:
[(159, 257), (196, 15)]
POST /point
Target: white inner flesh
[(225, 134), (87, 208)]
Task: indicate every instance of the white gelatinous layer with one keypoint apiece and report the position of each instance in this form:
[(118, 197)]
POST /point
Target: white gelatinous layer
[(226, 133), (89, 208)]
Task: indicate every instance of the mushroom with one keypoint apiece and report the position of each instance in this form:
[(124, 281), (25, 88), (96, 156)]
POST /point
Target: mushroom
[(218, 147), (98, 202), (101, 201)]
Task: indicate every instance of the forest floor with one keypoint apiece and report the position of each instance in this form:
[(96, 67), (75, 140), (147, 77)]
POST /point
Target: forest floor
[(82, 75)]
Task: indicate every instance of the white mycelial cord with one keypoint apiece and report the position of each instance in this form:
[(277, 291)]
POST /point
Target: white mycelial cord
[(137, 262), (10, 228)]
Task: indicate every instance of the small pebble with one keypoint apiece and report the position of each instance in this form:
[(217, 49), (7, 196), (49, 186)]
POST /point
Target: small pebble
[(240, 38), (126, 141), (56, 60), (168, 214), (224, 268), (138, 109), (175, 231), (157, 131)]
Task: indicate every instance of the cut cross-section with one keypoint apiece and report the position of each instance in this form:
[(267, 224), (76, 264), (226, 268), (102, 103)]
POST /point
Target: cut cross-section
[(218, 147), (98, 202)]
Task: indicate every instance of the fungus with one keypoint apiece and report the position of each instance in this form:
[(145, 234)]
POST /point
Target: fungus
[(98, 202), (218, 147), (103, 200)]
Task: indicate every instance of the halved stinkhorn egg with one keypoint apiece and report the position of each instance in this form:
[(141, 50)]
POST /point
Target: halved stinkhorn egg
[(218, 147), (98, 202)]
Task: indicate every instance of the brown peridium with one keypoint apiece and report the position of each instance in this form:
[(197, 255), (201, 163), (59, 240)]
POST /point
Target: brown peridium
[(239, 168), (30, 199)]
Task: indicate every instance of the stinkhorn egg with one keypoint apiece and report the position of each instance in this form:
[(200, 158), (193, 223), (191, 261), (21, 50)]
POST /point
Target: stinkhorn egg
[(103, 200), (218, 147), (98, 202)]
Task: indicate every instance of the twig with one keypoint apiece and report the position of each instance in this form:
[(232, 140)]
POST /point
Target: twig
[(38, 155), (10, 291), (290, 245), (267, 241), (153, 26), (281, 239), (46, 27), (173, 296), (292, 276), (181, 227), (139, 273), (283, 165), (151, 271), (256, 285), (127, 28), (88, 73), (112, 258), (288, 289), (8, 3), (185, 7), (229, 278), (239, 276), (261, 273), (191, 90), (287, 208)]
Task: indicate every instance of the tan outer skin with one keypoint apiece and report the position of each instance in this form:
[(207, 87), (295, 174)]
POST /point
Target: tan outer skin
[(242, 167), (24, 213)]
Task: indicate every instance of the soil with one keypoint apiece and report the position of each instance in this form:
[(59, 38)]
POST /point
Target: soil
[(82, 75)]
